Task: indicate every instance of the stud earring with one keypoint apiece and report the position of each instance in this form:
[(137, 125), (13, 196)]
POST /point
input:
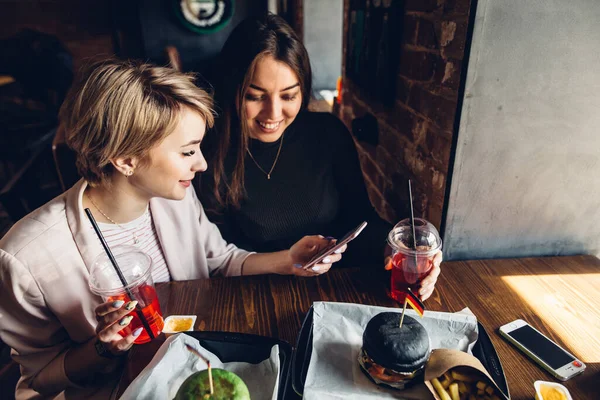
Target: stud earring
[(129, 173)]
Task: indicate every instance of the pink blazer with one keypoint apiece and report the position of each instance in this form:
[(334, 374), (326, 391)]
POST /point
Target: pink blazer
[(46, 305)]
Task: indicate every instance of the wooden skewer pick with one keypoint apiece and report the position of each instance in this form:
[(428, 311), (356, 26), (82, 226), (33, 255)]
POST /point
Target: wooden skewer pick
[(210, 379), (403, 311)]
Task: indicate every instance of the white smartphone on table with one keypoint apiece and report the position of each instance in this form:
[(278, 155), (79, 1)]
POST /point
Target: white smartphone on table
[(550, 356), (337, 245)]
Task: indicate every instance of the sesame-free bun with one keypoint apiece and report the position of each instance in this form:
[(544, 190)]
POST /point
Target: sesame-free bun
[(403, 349)]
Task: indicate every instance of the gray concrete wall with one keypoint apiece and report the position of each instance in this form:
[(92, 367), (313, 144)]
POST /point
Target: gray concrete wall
[(323, 40), (526, 178)]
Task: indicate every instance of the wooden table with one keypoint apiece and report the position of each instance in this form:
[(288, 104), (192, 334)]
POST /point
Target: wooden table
[(560, 296)]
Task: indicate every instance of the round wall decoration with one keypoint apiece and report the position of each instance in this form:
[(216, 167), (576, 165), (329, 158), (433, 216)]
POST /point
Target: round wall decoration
[(204, 16)]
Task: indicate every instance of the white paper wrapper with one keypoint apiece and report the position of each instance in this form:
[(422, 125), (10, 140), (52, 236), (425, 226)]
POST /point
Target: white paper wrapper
[(173, 363), (334, 372)]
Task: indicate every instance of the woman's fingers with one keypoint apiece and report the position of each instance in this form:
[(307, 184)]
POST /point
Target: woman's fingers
[(112, 306), (426, 292), (323, 266), (330, 259), (126, 343), (341, 249), (425, 288), (112, 322), (306, 248), (319, 269), (438, 258), (432, 276), (315, 270), (108, 333), (108, 307), (428, 283), (113, 314)]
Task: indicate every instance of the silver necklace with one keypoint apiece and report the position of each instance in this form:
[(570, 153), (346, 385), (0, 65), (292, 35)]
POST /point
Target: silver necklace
[(135, 238)]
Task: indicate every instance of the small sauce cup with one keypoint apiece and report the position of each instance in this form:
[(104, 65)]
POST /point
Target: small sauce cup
[(179, 323), (551, 391)]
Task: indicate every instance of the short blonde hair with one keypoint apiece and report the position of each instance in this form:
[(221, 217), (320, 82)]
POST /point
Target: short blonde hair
[(124, 109)]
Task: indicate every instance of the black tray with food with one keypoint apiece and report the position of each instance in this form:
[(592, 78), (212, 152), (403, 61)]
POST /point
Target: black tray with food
[(243, 347), (483, 350)]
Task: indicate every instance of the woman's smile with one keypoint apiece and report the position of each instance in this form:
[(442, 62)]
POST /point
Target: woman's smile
[(270, 127)]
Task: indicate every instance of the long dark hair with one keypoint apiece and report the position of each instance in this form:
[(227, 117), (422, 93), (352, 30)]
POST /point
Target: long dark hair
[(252, 39)]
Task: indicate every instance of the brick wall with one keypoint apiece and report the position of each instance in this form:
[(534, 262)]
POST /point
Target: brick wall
[(415, 133)]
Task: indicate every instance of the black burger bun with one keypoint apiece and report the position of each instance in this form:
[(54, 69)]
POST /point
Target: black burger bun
[(400, 349)]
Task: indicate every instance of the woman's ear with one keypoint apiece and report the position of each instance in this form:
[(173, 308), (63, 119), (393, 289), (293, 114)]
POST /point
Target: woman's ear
[(125, 165)]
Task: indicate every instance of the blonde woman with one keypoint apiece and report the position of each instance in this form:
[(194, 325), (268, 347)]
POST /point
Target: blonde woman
[(137, 131)]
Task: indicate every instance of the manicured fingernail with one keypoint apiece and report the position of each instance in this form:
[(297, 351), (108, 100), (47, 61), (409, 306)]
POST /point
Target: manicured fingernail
[(326, 260), (131, 305), (315, 268), (118, 303), (297, 265), (338, 251), (126, 320), (329, 237), (137, 331)]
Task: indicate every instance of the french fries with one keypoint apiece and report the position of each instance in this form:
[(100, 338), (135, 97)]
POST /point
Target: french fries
[(440, 389), (454, 391), (463, 384)]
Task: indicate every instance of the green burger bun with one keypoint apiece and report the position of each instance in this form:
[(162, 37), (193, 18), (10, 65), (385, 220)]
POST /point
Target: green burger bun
[(226, 384)]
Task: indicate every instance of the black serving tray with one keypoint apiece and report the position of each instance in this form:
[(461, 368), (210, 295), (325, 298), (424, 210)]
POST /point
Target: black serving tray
[(243, 347), (484, 351)]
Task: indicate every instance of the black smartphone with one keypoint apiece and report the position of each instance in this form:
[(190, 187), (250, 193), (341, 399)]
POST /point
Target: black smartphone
[(333, 247)]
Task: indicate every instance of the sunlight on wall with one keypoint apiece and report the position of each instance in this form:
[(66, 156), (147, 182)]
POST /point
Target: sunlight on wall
[(579, 330)]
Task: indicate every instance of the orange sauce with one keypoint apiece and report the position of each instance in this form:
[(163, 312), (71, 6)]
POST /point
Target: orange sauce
[(552, 393), (179, 324)]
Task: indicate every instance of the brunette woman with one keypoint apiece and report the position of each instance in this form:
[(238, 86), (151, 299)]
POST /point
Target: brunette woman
[(278, 170)]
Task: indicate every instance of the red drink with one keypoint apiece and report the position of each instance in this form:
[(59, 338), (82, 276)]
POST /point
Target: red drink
[(135, 271), (414, 246), (148, 302), (408, 272)]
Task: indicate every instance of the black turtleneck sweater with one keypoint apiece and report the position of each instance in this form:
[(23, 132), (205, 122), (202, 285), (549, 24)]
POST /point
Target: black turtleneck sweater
[(316, 187)]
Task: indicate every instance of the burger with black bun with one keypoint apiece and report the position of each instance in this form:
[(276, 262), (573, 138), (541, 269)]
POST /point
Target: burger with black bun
[(392, 355)]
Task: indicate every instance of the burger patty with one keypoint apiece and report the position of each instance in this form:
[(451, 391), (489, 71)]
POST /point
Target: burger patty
[(382, 373)]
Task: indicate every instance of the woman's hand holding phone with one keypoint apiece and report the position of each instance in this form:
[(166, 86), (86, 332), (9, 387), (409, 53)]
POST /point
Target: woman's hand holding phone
[(303, 251), (313, 255)]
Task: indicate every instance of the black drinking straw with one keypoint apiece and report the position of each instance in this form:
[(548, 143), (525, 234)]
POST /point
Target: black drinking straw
[(109, 253)]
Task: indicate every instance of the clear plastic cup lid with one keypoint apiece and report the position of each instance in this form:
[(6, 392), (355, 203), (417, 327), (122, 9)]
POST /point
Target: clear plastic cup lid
[(427, 237), (135, 266)]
